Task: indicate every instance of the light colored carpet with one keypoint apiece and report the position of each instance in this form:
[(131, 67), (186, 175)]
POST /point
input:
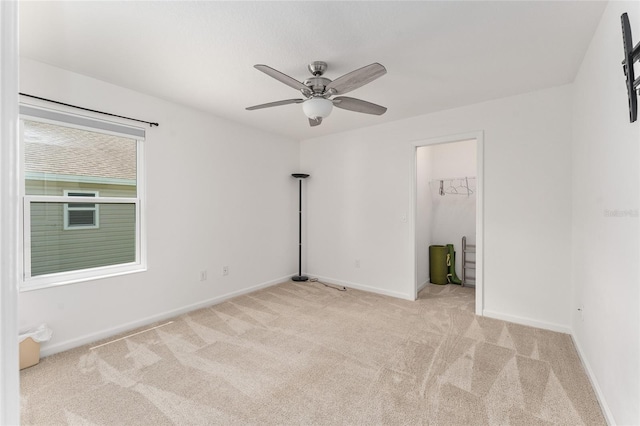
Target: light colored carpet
[(301, 353)]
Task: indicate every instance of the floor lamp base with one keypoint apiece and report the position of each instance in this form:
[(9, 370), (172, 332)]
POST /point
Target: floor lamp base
[(300, 278)]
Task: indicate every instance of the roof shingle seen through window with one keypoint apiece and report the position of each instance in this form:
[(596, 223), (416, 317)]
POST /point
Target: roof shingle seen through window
[(67, 151)]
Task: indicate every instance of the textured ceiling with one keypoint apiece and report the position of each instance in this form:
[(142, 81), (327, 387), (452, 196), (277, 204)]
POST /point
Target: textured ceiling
[(438, 54)]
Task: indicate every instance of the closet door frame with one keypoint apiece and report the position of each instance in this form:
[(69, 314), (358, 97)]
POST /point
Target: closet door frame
[(479, 137)]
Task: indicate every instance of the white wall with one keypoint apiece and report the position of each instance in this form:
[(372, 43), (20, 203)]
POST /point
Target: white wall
[(455, 159), (605, 243), (217, 194), (360, 198)]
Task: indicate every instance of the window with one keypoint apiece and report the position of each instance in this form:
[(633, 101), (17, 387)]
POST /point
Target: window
[(67, 160), (81, 215)]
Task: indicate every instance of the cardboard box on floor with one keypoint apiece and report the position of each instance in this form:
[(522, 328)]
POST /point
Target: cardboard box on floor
[(30, 344), (29, 353)]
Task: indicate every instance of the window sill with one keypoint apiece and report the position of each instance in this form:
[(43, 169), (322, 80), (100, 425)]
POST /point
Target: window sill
[(66, 278)]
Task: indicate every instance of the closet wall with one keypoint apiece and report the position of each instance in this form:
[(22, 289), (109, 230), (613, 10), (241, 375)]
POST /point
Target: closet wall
[(445, 219)]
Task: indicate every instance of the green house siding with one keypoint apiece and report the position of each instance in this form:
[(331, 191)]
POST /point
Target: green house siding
[(49, 187), (55, 249)]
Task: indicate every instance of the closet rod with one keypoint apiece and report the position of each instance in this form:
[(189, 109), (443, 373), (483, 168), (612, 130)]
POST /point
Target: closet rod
[(90, 110)]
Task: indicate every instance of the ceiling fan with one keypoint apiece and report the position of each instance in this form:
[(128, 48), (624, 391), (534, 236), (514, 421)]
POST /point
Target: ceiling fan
[(318, 91)]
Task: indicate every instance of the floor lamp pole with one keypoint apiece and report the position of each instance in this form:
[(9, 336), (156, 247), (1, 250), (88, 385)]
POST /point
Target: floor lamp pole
[(300, 277)]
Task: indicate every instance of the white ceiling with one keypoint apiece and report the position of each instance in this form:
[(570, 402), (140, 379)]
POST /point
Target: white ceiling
[(438, 54)]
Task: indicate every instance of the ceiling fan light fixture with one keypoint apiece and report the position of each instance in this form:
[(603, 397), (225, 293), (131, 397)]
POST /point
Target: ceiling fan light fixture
[(315, 108)]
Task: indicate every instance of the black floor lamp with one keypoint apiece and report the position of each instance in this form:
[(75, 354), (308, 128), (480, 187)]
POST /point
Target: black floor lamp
[(300, 277)]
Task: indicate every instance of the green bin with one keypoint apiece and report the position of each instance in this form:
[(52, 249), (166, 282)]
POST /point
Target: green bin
[(438, 268)]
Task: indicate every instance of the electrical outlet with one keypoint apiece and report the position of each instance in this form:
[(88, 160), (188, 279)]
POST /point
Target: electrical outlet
[(357, 263), (225, 270), (203, 275)]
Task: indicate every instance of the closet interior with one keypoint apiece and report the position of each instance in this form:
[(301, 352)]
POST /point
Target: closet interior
[(446, 213)]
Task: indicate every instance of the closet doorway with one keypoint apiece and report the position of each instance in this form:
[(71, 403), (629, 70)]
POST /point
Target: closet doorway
[(448, 208)]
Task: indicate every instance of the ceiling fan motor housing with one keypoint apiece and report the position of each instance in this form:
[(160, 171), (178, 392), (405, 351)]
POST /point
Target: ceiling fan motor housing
[(317, 84)]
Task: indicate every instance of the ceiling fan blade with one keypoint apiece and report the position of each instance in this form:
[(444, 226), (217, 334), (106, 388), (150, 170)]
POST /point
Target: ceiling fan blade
[(274, 104), (283, 78), (315, 121), (357, 78), (358, 105)]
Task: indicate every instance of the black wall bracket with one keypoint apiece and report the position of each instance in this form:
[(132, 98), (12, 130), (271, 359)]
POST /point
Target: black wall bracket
[(631, 56)]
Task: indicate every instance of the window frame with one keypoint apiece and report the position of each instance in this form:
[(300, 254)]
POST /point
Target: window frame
[(95, 209), (29, 282)]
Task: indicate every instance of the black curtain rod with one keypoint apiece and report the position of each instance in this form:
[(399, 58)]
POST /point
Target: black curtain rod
[(91, 110)]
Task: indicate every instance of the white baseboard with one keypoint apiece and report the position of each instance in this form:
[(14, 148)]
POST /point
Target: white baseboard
[(528, 321), (421, 286), (103, 334), (363, 287), (608, 415)]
